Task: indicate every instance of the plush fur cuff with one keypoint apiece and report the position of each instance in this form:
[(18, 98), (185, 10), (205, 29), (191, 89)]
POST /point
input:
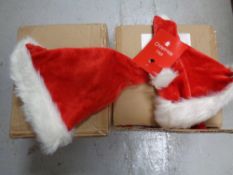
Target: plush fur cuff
[(163, 78), (188, 112), (40, 111)]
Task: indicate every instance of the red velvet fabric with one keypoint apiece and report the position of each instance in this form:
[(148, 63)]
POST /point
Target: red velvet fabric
[(199, 75), (82, 81)]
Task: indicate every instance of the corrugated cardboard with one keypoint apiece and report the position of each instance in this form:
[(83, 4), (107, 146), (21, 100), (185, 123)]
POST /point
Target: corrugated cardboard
[(135, 105), (53, 36)]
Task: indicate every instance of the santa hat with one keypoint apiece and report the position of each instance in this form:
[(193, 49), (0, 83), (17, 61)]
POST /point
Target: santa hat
[(194, 89), (61, 88)]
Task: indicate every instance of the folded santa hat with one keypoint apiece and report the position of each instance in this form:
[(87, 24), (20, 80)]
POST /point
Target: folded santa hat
[(62, 87), (193, 89)]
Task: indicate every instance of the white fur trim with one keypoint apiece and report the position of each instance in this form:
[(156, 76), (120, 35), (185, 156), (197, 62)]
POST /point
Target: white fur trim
[(40, 110), (165, 17), (188, 112), (163, 78)]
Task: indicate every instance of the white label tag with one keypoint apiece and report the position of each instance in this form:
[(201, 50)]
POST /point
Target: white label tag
[(146, 37)]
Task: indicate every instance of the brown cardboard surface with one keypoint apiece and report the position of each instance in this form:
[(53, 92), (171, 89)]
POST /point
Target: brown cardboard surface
[(134, 107), (53, 36)]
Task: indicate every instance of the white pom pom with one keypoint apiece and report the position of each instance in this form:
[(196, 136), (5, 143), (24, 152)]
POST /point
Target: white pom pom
[(164, 16), (163, 78)]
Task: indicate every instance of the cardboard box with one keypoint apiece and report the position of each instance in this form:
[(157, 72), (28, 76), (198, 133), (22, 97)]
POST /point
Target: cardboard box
[(135, 105), (53, 36)]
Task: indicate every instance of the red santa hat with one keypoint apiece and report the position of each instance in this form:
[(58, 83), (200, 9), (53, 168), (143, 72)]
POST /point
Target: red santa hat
[(194, 89), (62, 87)]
